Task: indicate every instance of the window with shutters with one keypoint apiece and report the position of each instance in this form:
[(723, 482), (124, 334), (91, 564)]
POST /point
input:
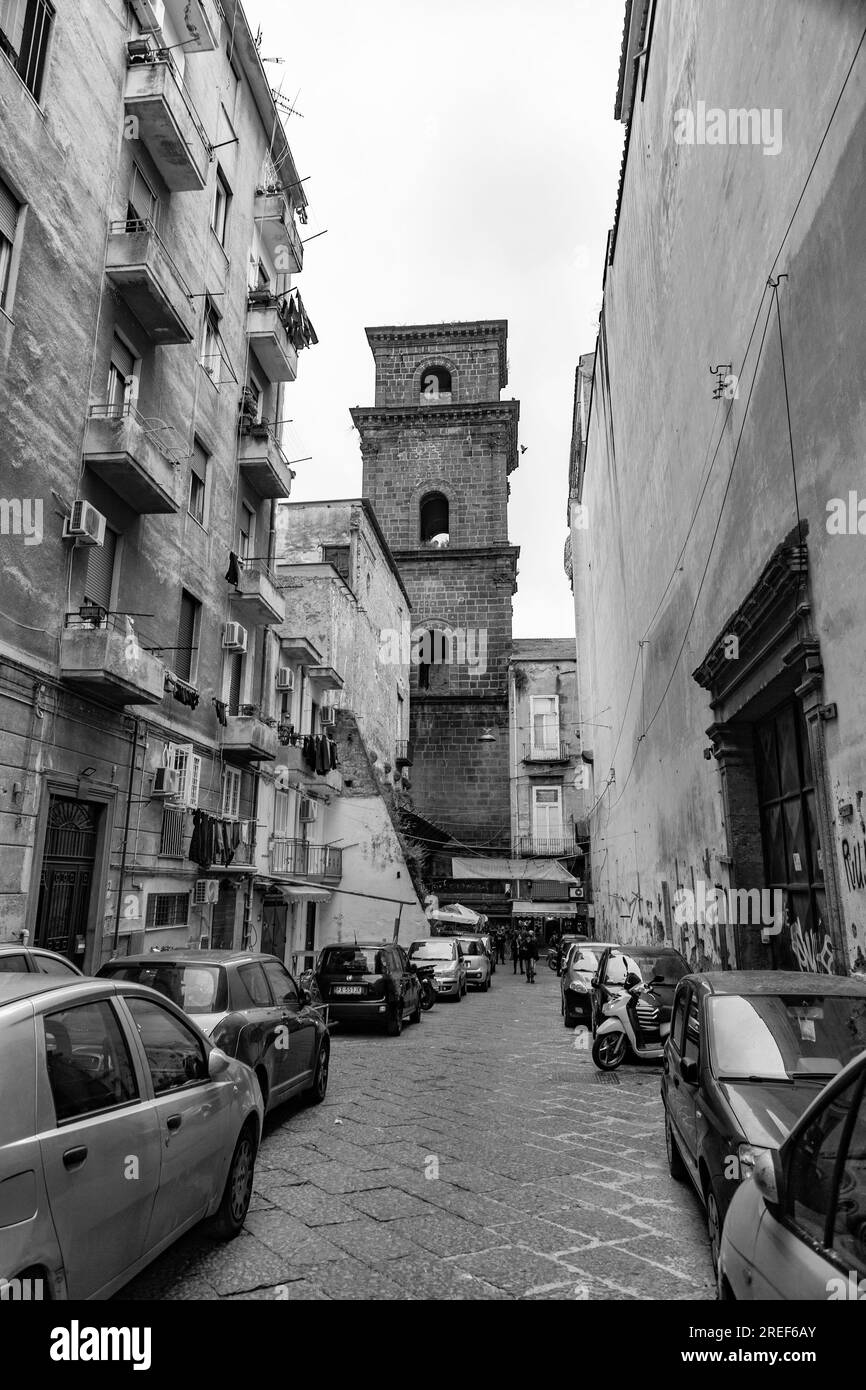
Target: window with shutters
[(186, 654), (545, 723), (198, 484), (220, 211), (338, 556), (99, 583), (167, 910), (9, 214), (142, 203), (231, 793), (211, 355), (187, 764), (236, 681), (25, 28), (121, 376), (283, 818)]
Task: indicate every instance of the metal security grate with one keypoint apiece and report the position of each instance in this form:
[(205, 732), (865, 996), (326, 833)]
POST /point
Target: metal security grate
[(167, 910)]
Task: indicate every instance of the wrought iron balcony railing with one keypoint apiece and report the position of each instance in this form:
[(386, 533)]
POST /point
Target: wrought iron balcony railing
[(324, 862)]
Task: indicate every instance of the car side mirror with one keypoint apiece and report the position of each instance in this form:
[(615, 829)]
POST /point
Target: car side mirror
[(594, 982), (217, 1064), (768, 1178), (689, 1072), (306, 996), (412, 968)]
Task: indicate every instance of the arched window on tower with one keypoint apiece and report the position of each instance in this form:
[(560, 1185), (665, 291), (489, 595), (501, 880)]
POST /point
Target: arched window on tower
[(434, 520), (435, 385)]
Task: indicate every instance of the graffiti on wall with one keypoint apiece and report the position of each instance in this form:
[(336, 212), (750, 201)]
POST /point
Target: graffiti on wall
[(813, 950), (854, 862)]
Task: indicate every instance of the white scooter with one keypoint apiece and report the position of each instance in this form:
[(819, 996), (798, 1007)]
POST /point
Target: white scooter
[(632, 1023)]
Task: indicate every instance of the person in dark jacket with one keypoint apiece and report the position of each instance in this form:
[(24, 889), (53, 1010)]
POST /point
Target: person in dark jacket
[(530, 955), (515, 952)]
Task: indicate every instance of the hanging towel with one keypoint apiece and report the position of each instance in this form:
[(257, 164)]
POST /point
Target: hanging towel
[(226, 841), (323, 759), (221, 712), (233, 573), (332, 749), (310, 752)]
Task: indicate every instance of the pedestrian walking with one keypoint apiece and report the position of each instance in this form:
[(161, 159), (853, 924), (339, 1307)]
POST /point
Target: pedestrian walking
[(531, 956), (500, 946), (515, 952)]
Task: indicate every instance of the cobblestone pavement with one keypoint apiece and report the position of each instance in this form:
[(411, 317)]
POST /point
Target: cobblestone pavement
[(551, 1183)]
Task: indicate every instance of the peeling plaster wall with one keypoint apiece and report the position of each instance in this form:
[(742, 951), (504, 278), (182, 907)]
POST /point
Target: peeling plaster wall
[(699, 227)]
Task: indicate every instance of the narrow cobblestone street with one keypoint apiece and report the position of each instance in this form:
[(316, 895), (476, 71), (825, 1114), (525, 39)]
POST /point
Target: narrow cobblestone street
[(552, 1182)]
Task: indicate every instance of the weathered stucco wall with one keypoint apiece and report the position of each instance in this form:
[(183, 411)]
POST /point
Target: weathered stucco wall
[(699, 230)]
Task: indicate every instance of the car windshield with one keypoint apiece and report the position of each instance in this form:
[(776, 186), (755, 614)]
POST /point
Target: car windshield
[(648, 965), (432, 950), (195, 988), (777, 1037), (351, 960), (583, 960)]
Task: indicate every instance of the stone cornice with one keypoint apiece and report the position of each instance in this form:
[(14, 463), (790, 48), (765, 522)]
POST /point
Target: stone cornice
[(488, 418)]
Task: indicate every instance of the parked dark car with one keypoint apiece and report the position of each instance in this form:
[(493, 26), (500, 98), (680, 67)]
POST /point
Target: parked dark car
[(575, 983), (797, 1229), (249, 1006), (747, 1053), (660, 965), (35, 960), (560, 947), (369, 982)]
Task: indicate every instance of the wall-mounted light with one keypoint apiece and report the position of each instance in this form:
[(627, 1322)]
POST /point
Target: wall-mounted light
[(87, 772), (487, 736)]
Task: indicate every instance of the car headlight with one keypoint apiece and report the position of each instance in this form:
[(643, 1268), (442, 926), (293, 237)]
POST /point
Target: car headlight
[(578, 986), (747, 1156)]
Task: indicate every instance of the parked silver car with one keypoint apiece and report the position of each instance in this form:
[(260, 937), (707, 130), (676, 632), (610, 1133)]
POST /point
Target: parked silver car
[(479, 966), (34, 960), (121, 1127), (796, 1229)]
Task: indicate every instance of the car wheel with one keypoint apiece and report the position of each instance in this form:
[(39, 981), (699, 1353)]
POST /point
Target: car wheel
[(319, 1088), (714, 1227), (676, 1166), (608, 1051), (232, 1211), (394, 1025)]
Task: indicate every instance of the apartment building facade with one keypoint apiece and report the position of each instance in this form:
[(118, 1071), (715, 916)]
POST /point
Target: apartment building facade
[(342, 775), (716, 548), (149, 327)]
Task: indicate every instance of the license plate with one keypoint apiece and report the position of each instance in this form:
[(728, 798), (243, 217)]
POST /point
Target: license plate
[(348, 989)]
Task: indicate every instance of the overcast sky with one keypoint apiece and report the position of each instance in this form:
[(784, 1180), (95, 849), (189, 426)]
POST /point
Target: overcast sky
[(463, 157)]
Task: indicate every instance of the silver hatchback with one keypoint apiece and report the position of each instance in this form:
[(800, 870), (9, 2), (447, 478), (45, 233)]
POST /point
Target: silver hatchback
[(121, 1127)]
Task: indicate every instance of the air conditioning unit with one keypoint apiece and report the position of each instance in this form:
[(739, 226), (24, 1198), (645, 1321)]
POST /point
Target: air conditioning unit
[(86, 524), (166, 782), (285, 678), (207, 890), (235, 638), (328, 716), (309, 809), (576, 893)]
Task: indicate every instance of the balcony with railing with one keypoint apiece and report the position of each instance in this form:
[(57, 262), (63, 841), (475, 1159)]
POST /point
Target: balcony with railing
[(297, 859), (275, 220), (138, 458), (544, 847), (163, 117), (101, 656), (256, 597), (405, 753), (148, 281), (262, 461), (269, 336), (197, 22), (550, 752), (248, 738)]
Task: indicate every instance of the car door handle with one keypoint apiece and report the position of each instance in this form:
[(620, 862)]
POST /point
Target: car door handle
[(174, 1122), (75, 1158)]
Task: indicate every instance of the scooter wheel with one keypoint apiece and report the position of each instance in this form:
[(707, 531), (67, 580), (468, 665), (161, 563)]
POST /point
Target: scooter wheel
[(608, 1051)]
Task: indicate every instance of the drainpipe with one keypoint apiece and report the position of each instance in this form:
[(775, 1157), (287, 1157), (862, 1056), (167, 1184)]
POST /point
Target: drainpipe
[(125, 836)]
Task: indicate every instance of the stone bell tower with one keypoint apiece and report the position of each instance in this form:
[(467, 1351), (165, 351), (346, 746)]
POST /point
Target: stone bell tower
[(437, 448)]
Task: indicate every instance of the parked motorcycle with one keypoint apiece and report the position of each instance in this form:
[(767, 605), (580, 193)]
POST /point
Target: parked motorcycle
[(428, 989), (631, 1023)]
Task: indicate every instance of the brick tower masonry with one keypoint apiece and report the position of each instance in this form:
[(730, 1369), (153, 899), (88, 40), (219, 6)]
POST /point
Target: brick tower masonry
[(437, 450)]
